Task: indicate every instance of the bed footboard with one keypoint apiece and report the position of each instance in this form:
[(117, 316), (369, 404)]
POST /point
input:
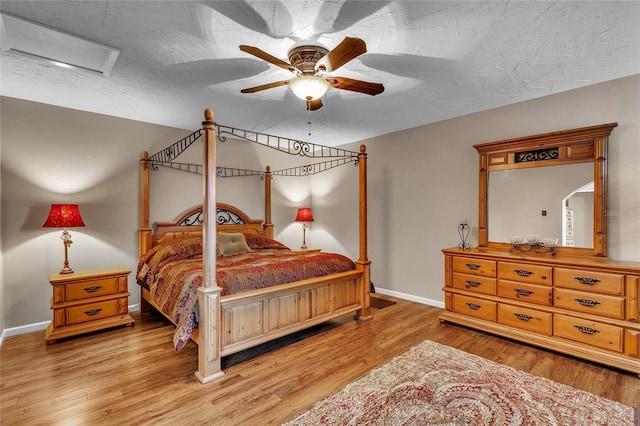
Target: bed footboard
[(251, 318)]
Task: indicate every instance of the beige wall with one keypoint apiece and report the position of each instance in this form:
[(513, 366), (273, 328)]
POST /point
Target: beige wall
[(422, 183)]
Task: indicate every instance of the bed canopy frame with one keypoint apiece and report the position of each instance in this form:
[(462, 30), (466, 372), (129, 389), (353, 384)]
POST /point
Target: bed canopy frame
[(209, 297)]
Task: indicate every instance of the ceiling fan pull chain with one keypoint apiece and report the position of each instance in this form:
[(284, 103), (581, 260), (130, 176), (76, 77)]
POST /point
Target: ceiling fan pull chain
[(309, 114)]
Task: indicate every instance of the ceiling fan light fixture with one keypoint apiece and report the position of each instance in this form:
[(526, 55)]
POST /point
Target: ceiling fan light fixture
[(309, 87)]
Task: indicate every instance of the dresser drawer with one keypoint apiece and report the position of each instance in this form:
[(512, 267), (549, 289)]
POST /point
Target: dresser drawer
[(473, 307), (92, 311), (596, 304), (593, 333), (534, 274), (532, 293), (601, 282), (485, 268), (92, 288), (474, 283), (525, 319)]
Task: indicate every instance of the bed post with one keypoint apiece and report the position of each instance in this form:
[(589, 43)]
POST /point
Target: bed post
[(363, 263), (144, 232), (268, 226), (209, 362)]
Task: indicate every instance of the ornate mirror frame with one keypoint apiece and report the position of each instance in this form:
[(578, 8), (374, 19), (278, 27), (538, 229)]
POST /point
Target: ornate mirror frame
[(586, 144)]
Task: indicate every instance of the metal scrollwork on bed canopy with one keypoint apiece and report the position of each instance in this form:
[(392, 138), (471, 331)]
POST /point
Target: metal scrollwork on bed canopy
[(232, 172), (312, 169), (339, 156), (170, 153), (282, 144)]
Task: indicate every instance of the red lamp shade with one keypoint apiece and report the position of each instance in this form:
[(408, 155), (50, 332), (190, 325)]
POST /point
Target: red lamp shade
[(63, 216), (304, 215)]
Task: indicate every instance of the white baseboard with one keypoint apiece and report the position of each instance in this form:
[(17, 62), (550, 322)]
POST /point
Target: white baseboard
[(14, 331), (423, 300), (23, 329)]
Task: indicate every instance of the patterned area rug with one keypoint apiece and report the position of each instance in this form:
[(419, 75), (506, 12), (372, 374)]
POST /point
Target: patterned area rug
[(433, 384)]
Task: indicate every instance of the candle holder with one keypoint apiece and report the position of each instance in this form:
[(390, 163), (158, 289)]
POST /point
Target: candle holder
[(464, 230)]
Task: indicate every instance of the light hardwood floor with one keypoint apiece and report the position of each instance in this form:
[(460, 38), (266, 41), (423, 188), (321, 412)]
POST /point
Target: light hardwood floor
[(131, 375)]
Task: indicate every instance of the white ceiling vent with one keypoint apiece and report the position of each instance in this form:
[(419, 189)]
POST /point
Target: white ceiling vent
[(58, 47)]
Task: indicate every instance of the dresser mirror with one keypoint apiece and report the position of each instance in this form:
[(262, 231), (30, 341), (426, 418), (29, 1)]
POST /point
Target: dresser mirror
[(552, 203), (545, 187)]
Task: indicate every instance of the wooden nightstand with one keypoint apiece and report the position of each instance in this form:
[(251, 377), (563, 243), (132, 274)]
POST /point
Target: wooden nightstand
[(89, 300)]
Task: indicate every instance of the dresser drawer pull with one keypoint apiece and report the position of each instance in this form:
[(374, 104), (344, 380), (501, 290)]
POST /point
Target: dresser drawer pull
[(474, 306), (473, 283), (473, 266), (523, 292), (586, 330), (522, 272), (586, 302), (92, 289), (523, 317), (92, 312), (587, 280)]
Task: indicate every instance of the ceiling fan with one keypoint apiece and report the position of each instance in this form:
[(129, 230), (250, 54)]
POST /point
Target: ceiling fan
[(312, 65)]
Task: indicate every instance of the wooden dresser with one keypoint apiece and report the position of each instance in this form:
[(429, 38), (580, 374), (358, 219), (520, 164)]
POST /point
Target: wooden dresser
[(89, 300), (587, 307)]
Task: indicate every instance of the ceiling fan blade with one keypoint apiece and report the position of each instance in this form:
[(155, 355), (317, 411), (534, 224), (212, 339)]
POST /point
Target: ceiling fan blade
[(267, 57), (345, 83), (314, 104), (348, 49), (265, 86)]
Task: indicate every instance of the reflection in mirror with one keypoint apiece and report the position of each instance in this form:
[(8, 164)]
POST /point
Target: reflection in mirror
[(534, 201), (577, 211)]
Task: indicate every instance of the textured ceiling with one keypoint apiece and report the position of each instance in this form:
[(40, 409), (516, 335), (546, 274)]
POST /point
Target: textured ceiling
[(437, 60)]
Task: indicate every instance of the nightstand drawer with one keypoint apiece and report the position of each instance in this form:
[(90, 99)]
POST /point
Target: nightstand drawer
[(601, 282), (92, 311), (474, 283), (525, 319), (477, 308), (597, 304), (94, 288), (590, 332), (540, 294), (535, 274), (485, 268)]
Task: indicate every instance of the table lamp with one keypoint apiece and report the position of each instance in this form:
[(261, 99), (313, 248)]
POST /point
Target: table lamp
[(64, 216), (304, 215)]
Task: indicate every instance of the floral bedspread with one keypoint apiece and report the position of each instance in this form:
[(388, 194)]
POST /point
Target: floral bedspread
[(172, 273)]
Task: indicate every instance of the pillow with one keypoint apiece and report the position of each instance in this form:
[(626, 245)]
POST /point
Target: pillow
[(229, 244), (259, 242)]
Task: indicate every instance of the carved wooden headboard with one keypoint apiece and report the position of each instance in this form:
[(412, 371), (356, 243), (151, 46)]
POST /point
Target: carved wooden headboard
[(190, 222)]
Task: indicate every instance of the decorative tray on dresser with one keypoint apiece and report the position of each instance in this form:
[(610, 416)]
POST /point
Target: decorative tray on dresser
[(585, 307)]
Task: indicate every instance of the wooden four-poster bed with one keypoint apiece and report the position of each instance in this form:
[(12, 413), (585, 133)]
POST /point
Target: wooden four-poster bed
[(230, 319)]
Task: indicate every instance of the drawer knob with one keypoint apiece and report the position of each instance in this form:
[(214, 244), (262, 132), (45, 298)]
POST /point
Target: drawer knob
[(473, 266), (523, 317), (92, 312), (587, 280), (473, 283), (92, 289), (588, 303), (474, 306), (586, 330), (522, 272), (523, 292)]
